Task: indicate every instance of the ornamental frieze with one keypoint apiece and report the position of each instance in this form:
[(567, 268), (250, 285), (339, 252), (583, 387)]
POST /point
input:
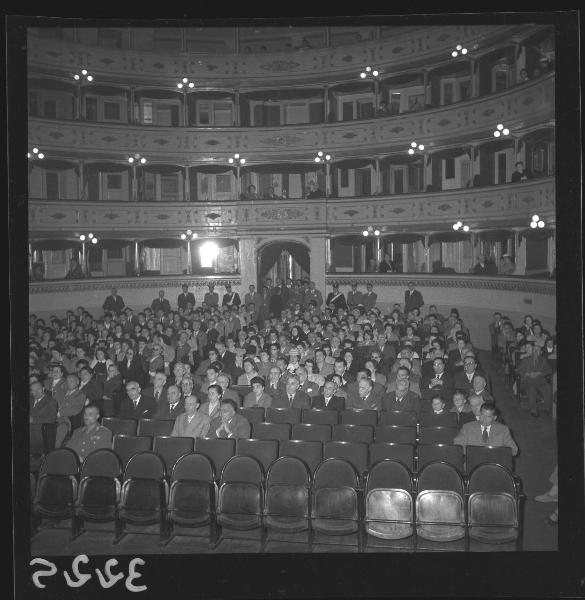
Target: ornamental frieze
[(442, 125)]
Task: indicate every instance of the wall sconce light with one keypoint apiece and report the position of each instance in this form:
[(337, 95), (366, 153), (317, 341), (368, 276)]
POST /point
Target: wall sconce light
[(501, 130), (371, 231), (459, 225), (459, 49), (414, 147), (83, 76), (136, 158), (536, 222), (369, 72), (185, 83), (35, 154), (321, 157)]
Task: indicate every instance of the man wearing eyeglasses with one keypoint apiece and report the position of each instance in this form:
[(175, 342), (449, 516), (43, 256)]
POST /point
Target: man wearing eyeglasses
[(135, 405)]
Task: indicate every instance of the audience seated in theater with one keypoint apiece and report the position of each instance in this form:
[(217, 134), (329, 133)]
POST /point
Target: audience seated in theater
[(486, 431), (440, 381), (233, 424), (192, 423), (91, 436)]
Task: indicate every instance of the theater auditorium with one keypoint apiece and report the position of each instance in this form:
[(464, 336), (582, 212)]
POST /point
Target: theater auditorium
[(292, 288)]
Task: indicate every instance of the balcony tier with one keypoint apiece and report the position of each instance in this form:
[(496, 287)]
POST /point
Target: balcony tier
[(519, 108), (509, 205), (408, 50)]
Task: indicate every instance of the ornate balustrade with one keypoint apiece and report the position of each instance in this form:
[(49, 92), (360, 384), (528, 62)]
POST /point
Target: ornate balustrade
[(496, 206), (410, 48), (520, 108)]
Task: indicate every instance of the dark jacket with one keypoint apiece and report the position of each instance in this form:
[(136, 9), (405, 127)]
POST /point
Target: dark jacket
[(336, 403)]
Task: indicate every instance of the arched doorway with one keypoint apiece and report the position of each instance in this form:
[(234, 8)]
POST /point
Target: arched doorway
[(283, 260)]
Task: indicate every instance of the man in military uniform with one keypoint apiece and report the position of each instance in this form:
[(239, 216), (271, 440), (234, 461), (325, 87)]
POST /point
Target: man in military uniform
[(91, 436)]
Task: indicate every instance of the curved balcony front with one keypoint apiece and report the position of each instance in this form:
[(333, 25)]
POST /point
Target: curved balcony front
[(520, 108), (509, 205), (408, 49)]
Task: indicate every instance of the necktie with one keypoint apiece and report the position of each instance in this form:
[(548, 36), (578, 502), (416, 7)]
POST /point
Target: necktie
[(485, 435), (156, 396), (290, 399)]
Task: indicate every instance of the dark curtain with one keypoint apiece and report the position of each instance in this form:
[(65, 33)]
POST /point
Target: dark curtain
[(56, 165), (162, 169), (210, 169), (497, 235), (105, 168), (404, 238), (163, 243), (271, 253), (448, 236), (536, 234), (56, 245)]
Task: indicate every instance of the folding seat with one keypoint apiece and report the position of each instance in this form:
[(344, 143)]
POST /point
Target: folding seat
[(192, 497), (334, 501), (477, 455), (447, 419), (400, 418), (143, 495), (218, 451), (320, 416), (431, 452), (494, 507), (126, 446), (359, 417), (99, 490), (254, 414), (283, 415), (56, 488), (395, 434), (49, 433), (271, 431), (286, 500), (440, 508), (240, 500), (311, 432), (310, 452), (170, 449), (154, 427), (122, 426), (389, 506), (353, 433), (355, 453), (437, 435), (264, 451), (401, 452)]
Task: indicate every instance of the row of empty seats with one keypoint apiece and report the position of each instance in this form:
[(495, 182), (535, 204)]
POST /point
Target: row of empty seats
[(439, 508)]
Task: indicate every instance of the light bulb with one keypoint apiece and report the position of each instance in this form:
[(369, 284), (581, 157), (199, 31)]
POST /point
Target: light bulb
[(375, 73), (76, 77), (90, 235), (35, 150), (454, 53), (368, 69), (533, 224), (185, 80), (421, 147), (376, 232), (236, 156), (194, 235), (541, 224), (90, 77), (28, 155), (82, 237), (413, 144), (131, 159), (317, 159), (464, 51), (455, 226), (41, 155), (459, 46), (179, 85), (506, 131), (496, 134), (143, 160), (94, 241), (466, 228), (410, 151), (84, 71), (320, 153), (189, 232), (191, 84), (459, 223), (243, 161), (500, 126), (328, 157), (183, 236), (230, 160), (365, 233), (362, 75), (535, 218)]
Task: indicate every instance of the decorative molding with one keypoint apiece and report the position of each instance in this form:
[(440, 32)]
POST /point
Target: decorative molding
[(502, 284), (105, 284), (504, 206), (409, 46), (447, 125)]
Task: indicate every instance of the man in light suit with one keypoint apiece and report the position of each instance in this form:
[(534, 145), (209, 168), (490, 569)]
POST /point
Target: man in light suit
[(329, 401), (161, 303), (486, 432), (233, 425), (114, 303), (412, 298), (192, 423), (370, 298), (291, 397)]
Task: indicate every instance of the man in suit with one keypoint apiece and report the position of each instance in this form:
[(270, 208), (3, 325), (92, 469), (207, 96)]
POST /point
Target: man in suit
[(171, 406), (158, 390), (464, 379), (456, 357), (211, 297), (370, 298), (354, 297), (114, 303), (533, 370), (479, 388), (161, 303), (56, 383), (135, 405), (328, 400), (336, 299), (406, 374), (186, 297), (43, 409), (258, 397), (276, 382), (372, 366), (412, 298), (132, 368), (291, 396), (340, 367), (230, 298), (233, 425), (91, 387), (486, 431), (440, 381), (192, 423), (402, 398), (365, 399), (309, 387), (227, 358), (253, 297), (224, 381), (112, 391)]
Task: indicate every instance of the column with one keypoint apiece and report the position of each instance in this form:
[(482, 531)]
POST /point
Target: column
[(551, 258), (238, 183), (427, 254), (473, 240), (327, 180), (185, 109), (520, 254), (187, 184), (405, 265), (134, 185), (326, 104), (378, 179), (131, 106), (248, 263), (317, 263), (80, 186), (424, 172), (376, 99), (377, 249), (136, 259), (83, 259), (30, 261), (327, 254), (78, 102), (474, 93), (237, 108), (425, 86), (189, 260)]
